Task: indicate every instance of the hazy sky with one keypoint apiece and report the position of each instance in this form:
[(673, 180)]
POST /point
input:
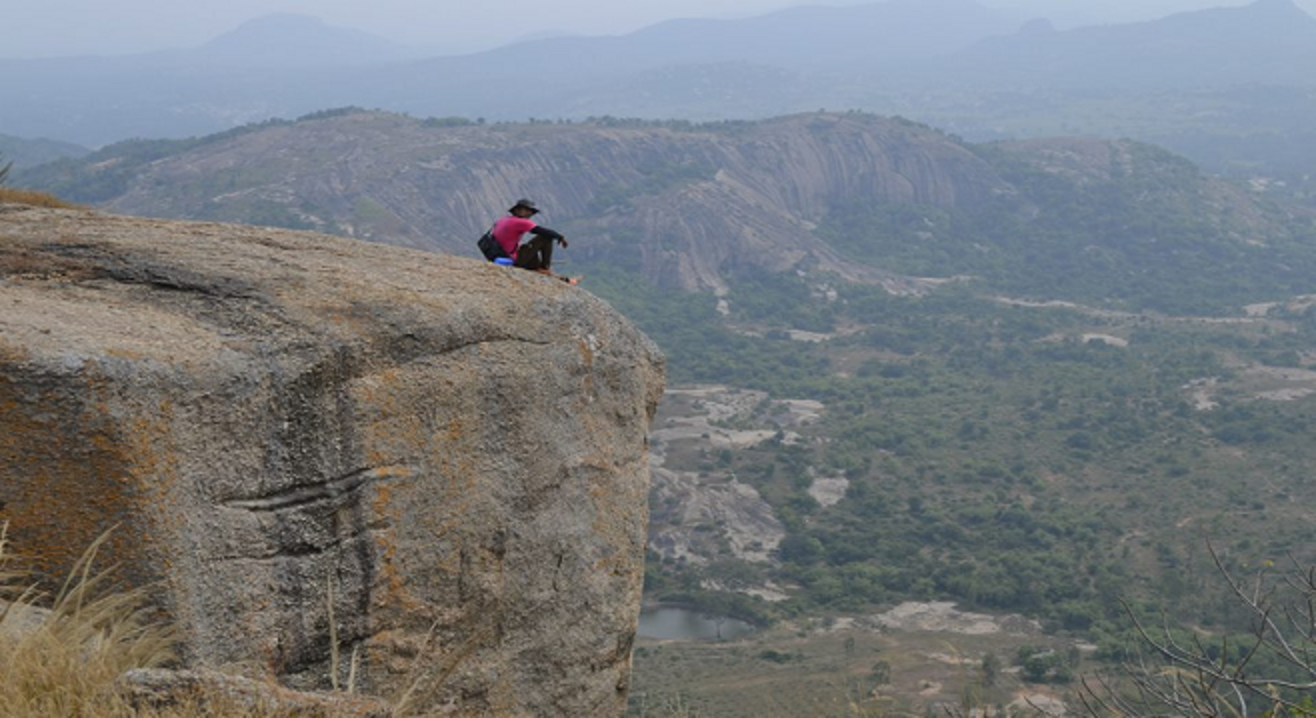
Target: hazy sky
[(70, 27)]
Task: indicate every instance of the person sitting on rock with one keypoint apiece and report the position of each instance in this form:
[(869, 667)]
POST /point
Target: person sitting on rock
[(537, 254)]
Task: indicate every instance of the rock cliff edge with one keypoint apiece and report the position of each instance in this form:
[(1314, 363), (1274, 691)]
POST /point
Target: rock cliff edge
[(449, 454)]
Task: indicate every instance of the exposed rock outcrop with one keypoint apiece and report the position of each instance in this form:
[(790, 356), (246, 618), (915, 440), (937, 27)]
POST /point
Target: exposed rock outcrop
[(688, 208), (450, 454)]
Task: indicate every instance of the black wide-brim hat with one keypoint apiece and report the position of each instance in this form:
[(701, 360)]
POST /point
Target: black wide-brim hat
[(527, 204)]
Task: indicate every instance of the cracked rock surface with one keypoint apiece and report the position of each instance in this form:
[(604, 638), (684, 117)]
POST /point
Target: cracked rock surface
[(446, 456)]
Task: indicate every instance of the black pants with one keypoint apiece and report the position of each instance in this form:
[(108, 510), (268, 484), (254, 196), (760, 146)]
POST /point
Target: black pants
[(535, 254)]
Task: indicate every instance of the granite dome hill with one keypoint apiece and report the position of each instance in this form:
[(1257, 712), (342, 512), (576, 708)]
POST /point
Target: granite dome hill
[(694, 206)]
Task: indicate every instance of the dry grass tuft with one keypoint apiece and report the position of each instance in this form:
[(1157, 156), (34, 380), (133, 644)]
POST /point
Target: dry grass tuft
[(64, 655), (64, 659), (9, 195)]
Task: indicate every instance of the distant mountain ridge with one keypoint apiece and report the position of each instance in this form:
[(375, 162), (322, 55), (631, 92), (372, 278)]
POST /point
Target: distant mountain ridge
[(802, 38), (1187, 80), (290, 65), (695, 207), (290, 40), (269, 66), (1267, 42), (32, 152), (686, 206)]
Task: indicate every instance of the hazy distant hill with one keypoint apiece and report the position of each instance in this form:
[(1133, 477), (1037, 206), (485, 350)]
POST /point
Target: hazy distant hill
[(271, 66), (1267, 42), (287, 40), (695, 206), (950, 61), (843, 39), (288, 65), (32, 152)]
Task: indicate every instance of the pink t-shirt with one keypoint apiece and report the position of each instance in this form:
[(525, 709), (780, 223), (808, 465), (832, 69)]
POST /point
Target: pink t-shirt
[(509, 230)]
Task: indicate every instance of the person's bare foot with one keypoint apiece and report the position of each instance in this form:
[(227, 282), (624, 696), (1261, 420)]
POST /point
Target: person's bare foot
[(573, 281)]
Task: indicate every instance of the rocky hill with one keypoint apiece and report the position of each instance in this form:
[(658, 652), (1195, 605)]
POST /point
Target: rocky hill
[(685, 205), (689, 205), (287, 427)]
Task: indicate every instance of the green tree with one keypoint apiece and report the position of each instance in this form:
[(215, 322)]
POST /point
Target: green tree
[(881, 673), (991, 669), (1036, 668)]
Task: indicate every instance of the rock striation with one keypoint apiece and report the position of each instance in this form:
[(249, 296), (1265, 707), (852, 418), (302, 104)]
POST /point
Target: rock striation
[(446, 457)]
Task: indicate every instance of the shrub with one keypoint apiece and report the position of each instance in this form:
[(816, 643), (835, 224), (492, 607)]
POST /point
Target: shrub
[(778, 657)]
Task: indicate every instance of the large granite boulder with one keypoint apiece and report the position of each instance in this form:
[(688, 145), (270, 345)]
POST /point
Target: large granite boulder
[(446, 456)]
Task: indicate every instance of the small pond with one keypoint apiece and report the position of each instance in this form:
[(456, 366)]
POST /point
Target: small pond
[(682, 624)]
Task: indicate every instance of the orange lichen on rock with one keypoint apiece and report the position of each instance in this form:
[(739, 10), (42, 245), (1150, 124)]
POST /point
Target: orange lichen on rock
[(392, 592), (68, 479)]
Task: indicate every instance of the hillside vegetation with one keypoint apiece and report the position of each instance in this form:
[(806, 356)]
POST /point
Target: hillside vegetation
[(1013, 457)]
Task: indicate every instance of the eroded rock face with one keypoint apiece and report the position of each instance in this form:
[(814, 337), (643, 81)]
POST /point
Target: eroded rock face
[(451, 454), (687, 209)]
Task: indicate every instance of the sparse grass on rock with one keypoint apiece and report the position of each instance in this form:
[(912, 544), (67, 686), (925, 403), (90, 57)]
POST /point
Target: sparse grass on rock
[(64, 659), (80, 653), (10, 195), (18, 196)]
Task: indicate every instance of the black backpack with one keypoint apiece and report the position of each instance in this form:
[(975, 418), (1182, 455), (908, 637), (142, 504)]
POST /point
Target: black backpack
[(490, 247)]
